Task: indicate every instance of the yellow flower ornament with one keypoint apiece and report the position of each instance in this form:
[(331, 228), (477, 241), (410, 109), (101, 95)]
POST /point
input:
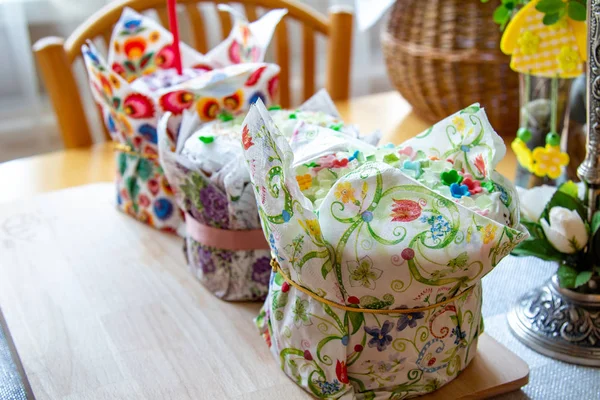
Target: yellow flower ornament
[(528, 43), (568, 59), (542, 161), (548, 161), (554, 51)]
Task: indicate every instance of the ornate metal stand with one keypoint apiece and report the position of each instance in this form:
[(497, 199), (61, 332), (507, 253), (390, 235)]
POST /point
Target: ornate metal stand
[(559, 322)]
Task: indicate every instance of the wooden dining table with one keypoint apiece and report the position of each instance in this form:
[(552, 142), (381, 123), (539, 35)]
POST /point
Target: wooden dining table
[(100, 306), (387, 112)]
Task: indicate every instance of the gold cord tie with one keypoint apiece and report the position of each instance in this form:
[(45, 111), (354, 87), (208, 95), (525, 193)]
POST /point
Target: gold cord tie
[(277, 268), (125, 148)]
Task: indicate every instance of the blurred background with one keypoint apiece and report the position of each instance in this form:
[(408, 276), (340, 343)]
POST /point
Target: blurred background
[(27, 123)]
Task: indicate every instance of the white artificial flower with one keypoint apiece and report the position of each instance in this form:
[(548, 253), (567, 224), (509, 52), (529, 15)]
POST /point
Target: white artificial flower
[(566, 231), (534, 200)]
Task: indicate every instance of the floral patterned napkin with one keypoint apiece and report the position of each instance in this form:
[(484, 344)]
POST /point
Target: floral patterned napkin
[(373, 243), (138, 84), (213, 187)]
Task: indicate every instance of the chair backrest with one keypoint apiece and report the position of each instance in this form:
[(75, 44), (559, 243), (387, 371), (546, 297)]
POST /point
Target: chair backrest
[(55, 56)]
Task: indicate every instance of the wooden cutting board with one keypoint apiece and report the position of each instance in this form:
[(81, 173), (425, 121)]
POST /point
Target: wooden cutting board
[(101, 306)]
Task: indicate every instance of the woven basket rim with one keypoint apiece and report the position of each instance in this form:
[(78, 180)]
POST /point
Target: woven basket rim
[(477, 56)]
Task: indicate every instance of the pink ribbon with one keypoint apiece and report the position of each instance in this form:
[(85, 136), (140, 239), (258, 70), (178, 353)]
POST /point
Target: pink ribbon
[(253, 239)]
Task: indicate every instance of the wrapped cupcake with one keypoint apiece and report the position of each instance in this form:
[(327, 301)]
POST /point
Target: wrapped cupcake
[(225, 246), (138, 83), (377, 284)]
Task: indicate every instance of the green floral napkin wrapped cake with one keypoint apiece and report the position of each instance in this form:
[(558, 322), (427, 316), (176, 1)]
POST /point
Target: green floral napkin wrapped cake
[(377, 285)]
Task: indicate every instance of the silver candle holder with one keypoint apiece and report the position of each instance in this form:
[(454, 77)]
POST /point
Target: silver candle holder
[(558, 322)]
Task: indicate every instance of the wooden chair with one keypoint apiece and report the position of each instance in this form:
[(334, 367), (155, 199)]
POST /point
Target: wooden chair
[(55, 56)]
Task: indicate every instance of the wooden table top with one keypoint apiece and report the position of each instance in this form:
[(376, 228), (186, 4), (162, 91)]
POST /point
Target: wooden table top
[(104, 307), (22, 178), (101, 306)]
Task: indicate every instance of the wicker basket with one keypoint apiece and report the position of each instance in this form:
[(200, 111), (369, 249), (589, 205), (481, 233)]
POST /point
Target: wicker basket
[(443, 55)]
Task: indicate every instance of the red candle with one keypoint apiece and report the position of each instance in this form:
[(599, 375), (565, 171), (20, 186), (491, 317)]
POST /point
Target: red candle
[(171, 7)]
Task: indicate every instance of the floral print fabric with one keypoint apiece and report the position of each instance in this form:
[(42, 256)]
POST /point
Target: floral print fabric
[(336, 354), (213, 187), (144, 192), (137, 84), (376, 240), (230, 275)]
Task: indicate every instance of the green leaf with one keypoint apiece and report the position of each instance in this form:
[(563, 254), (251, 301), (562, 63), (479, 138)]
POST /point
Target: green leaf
[(595, 222), (539, 248), (460, 261), (367, 300), (370, 395), (583, 278), (501, 15), (279, 279), (549, 6), (550, 19), (129, 65), (471, 109), (333, 315), (373, 303), (567, 276), (562, 13), (576, 10), (564, 200), (534, 229), (145, 59), (133, 187), (282, 299), (279, 315), (570, 188), (356, 321), (326, 268), (144, 169), (509, 234), (122, 162)]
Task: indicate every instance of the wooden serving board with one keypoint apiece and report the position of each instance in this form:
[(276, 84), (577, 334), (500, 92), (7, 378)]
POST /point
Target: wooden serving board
[(101, 306)]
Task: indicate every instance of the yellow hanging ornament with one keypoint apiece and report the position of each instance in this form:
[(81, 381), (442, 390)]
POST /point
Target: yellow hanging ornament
[(552, 51)]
